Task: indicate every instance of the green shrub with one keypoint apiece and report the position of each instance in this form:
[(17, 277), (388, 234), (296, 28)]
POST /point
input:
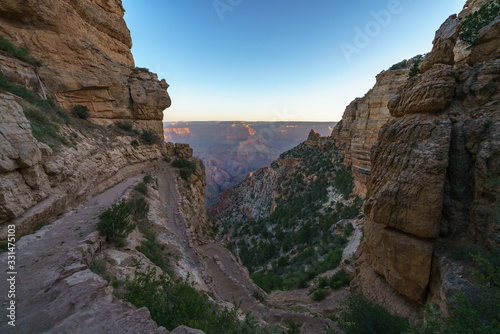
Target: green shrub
[(142, 69), (125, 125), (344, 182), (150, 137), (478, 315), (477, 20), (174, 303), (319, 295), (147, 178), (361, 315), (134, 143), (18, 52), (186, 167), (81, 111), (167, 159), (114, 223), (339, 280), (401, 65), (139, 207), (348, 229), (415, 69), (98, 266), (142, 188)]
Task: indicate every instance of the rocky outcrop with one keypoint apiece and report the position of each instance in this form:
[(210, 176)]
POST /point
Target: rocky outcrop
[(37, 184), (313, 139), (361, 122), (85, 50), (435, 179)]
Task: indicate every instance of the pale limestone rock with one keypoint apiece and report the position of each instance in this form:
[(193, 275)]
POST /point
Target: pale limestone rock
[(361, 122), (85, 50), (15, 136)]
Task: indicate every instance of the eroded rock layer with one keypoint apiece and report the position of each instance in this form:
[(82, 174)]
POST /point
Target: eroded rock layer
[(361, 122), (435, 177), (85, 50)]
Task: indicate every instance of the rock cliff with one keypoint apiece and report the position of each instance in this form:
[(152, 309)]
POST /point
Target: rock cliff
[(84, 47), (435, 174), (358, 130)]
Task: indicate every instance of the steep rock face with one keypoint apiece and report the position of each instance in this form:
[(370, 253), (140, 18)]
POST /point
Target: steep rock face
[(361, 122), (85, 50), (36, 184), (435, 181)]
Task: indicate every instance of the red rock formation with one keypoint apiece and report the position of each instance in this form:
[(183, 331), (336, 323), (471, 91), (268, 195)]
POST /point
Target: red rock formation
[(361, 122), (434, 178), (85, 50)]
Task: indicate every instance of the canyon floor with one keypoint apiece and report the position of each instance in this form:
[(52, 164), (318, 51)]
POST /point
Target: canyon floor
[(56, 292)]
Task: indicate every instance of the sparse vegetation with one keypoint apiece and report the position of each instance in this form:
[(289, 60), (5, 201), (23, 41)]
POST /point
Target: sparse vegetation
[(478, 315), (176, 302), (134, 143), (150, 137), (20, 53), (125, 126), (477, 20), (415, 68), (142, 188), (44, 115), (339, 279), (300, 239), (81, 111), (115, 224), (167, 159), (186, 167), (361, 315), (319, 295)]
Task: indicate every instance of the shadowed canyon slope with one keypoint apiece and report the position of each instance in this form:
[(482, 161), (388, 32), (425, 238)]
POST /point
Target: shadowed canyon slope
[(434, 176), (231, 150)]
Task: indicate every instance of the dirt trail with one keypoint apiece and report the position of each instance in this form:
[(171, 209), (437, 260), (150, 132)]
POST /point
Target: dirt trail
[(227, 279), (55, 291)]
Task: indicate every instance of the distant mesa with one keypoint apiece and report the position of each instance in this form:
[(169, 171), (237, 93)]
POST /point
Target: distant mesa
[(313, 138)]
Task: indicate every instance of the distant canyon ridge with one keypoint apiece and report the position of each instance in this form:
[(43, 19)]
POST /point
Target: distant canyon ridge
[(232, 150)]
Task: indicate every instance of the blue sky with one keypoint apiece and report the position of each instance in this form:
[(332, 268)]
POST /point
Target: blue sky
[(276, 60)]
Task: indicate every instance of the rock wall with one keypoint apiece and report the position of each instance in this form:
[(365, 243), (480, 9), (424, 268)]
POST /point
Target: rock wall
[(85, 50), (435, 178), (37, 184), (361, 122)]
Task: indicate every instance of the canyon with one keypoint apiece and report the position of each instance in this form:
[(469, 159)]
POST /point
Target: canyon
[(412, 171), (232, 150)]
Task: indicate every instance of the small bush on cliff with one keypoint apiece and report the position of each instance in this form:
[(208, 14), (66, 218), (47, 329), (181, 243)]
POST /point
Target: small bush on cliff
[(125, 126), (361, 315), (186, 167), (18, 52), (142, 188), (415, 69), (319, 295), (339, 279), (150, 137), (81, 111), (115, 224), (478, 20), (176, 302), (478, 315)]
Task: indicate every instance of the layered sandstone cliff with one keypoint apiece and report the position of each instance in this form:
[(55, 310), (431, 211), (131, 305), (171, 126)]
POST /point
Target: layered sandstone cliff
[(84, 47), (435, 172), (356, 133)]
